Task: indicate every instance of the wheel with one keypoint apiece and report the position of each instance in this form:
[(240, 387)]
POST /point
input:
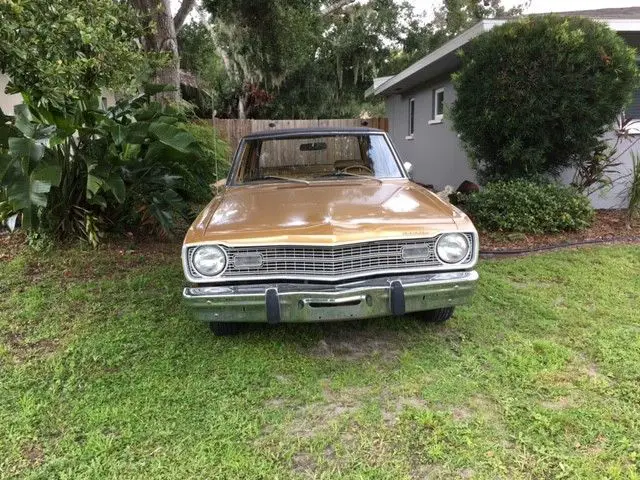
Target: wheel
[(440, 315), (222, 329)]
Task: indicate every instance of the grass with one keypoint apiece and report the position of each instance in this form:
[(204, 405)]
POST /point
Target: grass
[(104, 375)]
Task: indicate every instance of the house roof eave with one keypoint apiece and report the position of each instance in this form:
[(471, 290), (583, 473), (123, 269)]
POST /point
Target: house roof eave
[(390, 86), (403, 80)]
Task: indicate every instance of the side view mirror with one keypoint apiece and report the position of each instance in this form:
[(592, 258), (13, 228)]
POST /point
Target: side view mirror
[(408, 166)]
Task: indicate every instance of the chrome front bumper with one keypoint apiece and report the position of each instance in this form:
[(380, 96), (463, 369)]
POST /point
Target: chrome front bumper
[(287, 302)]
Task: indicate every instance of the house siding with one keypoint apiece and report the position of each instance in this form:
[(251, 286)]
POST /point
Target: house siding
[(615, 195), (7, 102), (435, 150), (439, 159)]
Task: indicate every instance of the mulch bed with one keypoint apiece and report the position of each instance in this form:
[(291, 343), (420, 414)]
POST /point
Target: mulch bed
[(608, 226), (10, 244), (121, 248)]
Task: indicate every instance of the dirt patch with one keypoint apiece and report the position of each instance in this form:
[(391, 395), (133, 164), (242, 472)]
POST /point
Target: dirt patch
[(11, 244), (303, 464), (275, 403), (592, 372), (476, 408), (484, 407), (310, 419), (466, 473), (355, 345), (424, 472), (34, 271), (461, 414), (393, 410), (412, 402), (22, 349), (330, 454), (595, 448), (560, 403), (452, 337), (33, 454), (283, 379), (579, 370), (608, 225)]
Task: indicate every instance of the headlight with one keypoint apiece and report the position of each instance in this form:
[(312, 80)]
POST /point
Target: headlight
[(452, 247), (209, 260)]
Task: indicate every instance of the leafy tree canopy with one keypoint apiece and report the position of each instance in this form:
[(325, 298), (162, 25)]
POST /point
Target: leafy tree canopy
[(450, 19), (266, 39), (313, 58), (60, 50)]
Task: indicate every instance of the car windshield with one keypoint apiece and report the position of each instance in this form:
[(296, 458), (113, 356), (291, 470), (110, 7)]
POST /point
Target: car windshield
[(317, 158)]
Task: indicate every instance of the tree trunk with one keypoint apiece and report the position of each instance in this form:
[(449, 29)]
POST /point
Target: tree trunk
[(161, 38), (242, 114), (182, 13)]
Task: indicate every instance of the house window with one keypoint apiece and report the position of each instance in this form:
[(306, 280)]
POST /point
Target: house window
[(412, 115), (438, 105), (632, 116), (633, 110)]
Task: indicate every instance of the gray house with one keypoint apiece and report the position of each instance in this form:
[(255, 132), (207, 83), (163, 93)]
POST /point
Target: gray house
[(417, 99)]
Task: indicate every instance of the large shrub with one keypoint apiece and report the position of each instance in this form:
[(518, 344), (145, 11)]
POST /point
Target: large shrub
[(84, 171), (209, 166), (534, 95), (528, 207)]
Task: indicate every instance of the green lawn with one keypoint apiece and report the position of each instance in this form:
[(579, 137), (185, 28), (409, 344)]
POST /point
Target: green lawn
[(104, 375)]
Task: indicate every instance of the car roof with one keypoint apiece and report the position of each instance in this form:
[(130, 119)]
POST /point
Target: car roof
[(310, 132)]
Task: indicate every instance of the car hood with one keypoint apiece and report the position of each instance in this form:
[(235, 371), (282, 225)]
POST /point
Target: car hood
[(341, 211)]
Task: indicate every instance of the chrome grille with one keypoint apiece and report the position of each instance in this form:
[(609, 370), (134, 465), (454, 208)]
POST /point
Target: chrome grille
[(327, 262)]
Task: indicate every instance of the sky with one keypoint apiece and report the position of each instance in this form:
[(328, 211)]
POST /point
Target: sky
[(535, 6), (539, 6)]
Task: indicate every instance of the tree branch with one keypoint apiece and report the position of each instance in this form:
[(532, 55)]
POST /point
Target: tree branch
[(181, 15), (334, 7)]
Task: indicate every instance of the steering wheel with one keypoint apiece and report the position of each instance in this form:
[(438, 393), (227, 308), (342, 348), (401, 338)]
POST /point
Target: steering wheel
[(362, 168)]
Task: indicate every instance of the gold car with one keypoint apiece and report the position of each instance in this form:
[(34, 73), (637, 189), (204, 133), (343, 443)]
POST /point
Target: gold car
[(321, 225)]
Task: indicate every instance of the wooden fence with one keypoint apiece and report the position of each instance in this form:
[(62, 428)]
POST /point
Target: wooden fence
[(232, 130)]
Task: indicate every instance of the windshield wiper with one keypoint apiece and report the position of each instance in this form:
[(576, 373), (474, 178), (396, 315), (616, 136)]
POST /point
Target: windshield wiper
[(284, 179), (340, 173)]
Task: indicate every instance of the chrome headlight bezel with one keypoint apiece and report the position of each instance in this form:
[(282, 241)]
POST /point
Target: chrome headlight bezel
[(212, 250), (447, 259)]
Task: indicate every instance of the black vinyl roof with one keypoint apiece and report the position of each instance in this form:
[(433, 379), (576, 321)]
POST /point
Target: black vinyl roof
[(311, 132)]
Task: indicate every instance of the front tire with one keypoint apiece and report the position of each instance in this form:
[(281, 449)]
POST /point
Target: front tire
[(224, 329), (440, 315)]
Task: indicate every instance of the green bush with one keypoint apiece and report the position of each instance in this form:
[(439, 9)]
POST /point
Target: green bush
[(528, 207), (83, 171), (209, 166), (535, 95)]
